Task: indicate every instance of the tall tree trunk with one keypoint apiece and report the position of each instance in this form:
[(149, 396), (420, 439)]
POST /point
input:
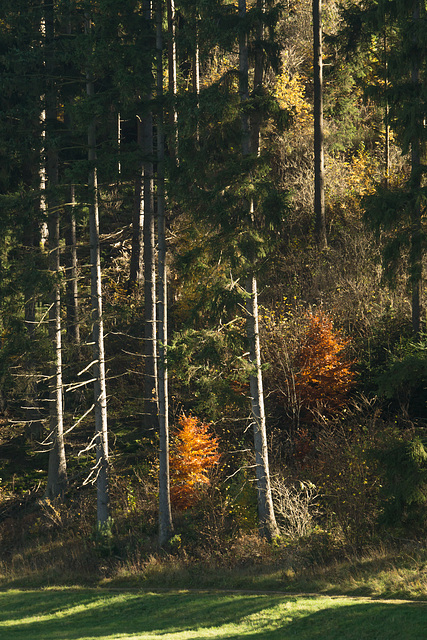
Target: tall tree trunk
[(416, 173), (173, 114), (319, 179), (386, 110), (98, 369), (267, 521), (165, 514), (72, 291), (195, 63), (150, 323), (57, 473), (136, 267)]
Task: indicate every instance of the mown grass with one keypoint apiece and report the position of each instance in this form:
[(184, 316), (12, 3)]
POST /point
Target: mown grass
[(82, 614)]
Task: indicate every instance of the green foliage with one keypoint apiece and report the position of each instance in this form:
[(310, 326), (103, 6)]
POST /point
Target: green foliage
[(104, 538), (403, 379), (208, 370), (404, 490)]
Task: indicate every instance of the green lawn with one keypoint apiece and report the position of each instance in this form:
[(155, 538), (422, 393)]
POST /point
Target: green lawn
[(82, 614)]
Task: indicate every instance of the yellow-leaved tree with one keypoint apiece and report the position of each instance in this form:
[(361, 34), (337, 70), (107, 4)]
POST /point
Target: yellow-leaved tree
[(194, 453), (323, 375)]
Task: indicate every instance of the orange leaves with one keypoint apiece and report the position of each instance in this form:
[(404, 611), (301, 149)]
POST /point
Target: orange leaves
[(194, 453), (323, 375)]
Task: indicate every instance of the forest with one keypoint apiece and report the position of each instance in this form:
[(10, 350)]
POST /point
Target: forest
[(212, 305)]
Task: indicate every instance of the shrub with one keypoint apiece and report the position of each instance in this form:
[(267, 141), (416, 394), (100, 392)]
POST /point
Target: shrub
[(323, 374), (295, 505), (404, 490), (194, 453)]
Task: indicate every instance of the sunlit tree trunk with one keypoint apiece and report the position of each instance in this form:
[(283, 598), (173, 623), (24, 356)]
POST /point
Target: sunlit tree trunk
[(136, 267), (57, 472), (267, 521), (73, 319), (150, 322), (173, 114), (319, 170), (98, 368), (416, 251), (165, 514)]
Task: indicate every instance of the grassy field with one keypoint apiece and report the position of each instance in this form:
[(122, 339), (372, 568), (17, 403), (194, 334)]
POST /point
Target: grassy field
[(96, 614)]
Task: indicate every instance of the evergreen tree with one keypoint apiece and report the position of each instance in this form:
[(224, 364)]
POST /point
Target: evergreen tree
[(399, 209)]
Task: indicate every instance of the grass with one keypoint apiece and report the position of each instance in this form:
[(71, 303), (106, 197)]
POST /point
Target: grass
[(96, 614)]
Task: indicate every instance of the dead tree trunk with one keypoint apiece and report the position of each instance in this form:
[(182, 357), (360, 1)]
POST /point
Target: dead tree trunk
[(57, 472), (267, 521), (98, 367), (165, 514), (319, 168)]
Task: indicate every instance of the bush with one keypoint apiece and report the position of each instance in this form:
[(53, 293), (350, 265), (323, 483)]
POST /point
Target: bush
[(194, 453)]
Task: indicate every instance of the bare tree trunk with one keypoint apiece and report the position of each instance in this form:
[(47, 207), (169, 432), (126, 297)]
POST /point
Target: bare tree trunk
[(319, 170), (136, 267), (165, 514), (416, 251), (57, 472), (195, 63), (150, 322), (386, 112), (267, 521), (98, 368), (73, 315), (173, 115)]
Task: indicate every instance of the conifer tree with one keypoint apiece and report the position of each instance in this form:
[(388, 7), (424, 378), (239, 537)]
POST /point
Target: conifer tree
[(399, 209)]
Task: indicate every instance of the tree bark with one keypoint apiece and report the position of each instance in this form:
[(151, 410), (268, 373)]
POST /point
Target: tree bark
[(416, 251), (150, 322), (319, 171), (72, 290), (57, 472), (267, 522), (98, 368), (173, 114), (136, 267), (165, 514)]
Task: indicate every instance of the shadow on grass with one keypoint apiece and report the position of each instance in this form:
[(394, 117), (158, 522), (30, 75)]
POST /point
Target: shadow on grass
[(81, 614)]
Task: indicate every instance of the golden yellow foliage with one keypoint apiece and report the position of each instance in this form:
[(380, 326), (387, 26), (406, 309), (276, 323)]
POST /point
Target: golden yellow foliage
[(290, 93), (194, 453)]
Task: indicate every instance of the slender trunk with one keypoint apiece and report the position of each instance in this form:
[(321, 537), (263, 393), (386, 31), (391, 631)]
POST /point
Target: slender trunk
[(386, 112), (136, 266), (165, 514), (416, 171), (150, 342), (173, 114), (267, 522), (57, 473), (195, 63), (319, 179), (73, 312), (98, 369), (31, 243), (150, 324)]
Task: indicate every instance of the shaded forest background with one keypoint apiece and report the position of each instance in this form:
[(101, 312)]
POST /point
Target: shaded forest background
[(343, 354)]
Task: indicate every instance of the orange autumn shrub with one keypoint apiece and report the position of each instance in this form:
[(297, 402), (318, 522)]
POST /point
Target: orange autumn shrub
[(194, 454), (323, 375)]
